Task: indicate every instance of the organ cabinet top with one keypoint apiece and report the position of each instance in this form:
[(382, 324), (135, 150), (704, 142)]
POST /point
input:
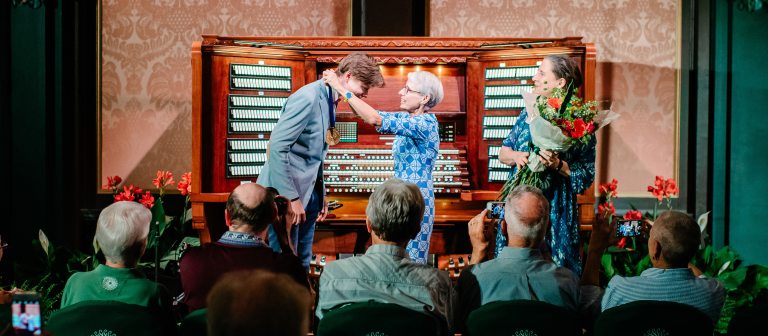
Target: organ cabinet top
[(241, 83)]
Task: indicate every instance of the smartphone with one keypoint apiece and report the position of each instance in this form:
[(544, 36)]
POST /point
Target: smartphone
[(495, 210), (25, 314), (628, 228)]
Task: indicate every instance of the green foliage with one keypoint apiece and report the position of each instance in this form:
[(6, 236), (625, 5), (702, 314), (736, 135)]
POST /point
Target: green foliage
[(171, 232), (50, 271), (743, 284)]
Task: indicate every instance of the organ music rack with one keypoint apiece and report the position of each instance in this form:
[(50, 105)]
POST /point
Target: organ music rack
[(241, 83)]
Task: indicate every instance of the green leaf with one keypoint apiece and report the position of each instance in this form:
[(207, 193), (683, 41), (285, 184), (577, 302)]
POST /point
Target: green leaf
[(607, 263), (760, 274), (158, 224), (44, 242), (643, 265), (732, 280)]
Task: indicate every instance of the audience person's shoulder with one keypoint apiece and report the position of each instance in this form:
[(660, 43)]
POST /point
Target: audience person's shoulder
[(566, 274)]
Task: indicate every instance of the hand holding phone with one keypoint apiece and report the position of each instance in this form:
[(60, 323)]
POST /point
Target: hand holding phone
[(25, 310), (629, 228), (495, 210)]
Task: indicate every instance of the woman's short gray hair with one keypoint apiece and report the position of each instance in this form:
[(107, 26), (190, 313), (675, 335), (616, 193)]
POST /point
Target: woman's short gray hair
[(395, 210), (428, 84), (534, 230), (122, 231)]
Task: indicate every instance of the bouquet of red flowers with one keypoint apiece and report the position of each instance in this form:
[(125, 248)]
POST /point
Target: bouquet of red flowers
[(557, 123)]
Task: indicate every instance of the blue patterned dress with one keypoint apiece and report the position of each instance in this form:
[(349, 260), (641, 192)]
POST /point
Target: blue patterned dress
[(415, 149), (563, 236)]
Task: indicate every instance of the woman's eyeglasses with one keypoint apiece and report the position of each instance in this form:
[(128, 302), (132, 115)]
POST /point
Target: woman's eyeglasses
[(407, 90)]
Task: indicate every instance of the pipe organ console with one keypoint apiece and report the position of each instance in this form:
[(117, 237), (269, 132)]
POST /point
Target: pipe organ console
[(241, 83)]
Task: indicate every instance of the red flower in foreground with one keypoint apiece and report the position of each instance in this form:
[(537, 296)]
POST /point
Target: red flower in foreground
[(147, 200), (670, 187), (127, 193), (633, 214), (579, 128), (609, 188), (185, 186), (163, 179), (622, 242), (112, 182), (555, 103), (606, 208), (661, 188)]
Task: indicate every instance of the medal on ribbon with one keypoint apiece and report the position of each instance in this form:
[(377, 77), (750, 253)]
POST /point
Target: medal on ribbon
[(332, 135)]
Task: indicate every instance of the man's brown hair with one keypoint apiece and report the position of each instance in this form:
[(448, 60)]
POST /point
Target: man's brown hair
[(362, 67)]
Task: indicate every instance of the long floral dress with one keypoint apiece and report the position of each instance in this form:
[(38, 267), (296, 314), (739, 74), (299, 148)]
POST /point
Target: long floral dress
[(563, 236), (415, 149)]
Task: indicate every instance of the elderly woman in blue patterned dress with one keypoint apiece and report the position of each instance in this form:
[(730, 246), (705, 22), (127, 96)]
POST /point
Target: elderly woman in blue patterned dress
[(416, 142), (574, 169)]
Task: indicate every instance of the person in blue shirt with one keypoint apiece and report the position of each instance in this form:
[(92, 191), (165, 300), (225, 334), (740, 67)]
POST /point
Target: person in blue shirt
[(385, 273), (417, 141), (573, 170), (673, 242)]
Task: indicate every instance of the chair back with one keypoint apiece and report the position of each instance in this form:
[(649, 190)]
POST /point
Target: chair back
[(109, 318), (379, 319), (748, 321), (522, 317), (195, 323), (653, 318)]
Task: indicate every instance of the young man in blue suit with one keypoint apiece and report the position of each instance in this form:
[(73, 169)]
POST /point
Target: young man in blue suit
[(299, 142)]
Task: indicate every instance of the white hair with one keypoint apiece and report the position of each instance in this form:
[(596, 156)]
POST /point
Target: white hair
[(122, 231), (533, 230), (428, 84)]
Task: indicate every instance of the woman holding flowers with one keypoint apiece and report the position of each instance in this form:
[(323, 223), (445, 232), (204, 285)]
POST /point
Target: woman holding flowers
[(569, 173), (417, 141)]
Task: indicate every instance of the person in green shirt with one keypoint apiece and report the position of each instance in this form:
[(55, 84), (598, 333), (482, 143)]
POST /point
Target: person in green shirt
[(121, 233)]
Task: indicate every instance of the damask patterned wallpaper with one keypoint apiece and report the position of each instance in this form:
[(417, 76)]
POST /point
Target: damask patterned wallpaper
[(146, 74), (147, 78), (636, 44)]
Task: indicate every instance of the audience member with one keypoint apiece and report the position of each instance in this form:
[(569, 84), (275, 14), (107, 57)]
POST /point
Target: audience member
[(673, 242), (121, 234), (258, 302), (385, 273), (520, 271), (250, 210)]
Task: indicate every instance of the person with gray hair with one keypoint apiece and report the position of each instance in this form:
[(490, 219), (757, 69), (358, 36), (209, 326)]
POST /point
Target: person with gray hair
[(385, 273), (520, 271), (121, 234), (417, 141), (673, 242)]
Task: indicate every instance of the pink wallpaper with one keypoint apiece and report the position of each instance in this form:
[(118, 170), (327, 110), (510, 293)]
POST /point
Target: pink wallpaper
[(146, 75), (636, 52), (147, 78)]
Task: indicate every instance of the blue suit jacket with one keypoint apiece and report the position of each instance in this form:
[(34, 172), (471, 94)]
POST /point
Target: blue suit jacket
[(297, 145)]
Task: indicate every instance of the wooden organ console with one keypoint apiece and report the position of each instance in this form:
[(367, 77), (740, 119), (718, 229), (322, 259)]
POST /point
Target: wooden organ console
[(241, 83)]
